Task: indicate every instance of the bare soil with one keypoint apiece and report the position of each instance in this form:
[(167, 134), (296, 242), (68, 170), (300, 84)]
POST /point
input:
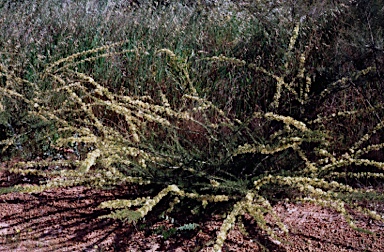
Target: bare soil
[(67, 220)]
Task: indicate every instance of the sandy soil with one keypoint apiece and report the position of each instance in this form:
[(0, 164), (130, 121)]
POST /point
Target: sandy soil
[(67, 220)]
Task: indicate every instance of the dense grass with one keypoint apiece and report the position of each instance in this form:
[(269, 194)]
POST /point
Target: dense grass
[(233, 101)]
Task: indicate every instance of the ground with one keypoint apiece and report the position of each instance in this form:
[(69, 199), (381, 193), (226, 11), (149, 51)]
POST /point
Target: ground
[(67, 220)]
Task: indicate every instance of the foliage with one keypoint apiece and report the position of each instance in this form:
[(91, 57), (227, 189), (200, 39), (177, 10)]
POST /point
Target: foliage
[(210, 103)]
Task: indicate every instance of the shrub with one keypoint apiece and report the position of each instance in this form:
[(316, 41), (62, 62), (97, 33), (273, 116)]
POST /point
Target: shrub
[(254, 104)]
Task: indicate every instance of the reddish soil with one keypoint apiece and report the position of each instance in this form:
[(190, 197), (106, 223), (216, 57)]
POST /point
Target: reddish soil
[(67, 220)]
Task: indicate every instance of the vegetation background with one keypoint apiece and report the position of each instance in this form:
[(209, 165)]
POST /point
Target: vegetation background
[(209, 106)]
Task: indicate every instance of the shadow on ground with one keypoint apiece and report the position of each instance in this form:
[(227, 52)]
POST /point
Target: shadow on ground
[(67, 219)]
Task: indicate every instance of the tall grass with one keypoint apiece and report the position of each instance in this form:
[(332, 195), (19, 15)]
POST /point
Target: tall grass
[(229, 102)]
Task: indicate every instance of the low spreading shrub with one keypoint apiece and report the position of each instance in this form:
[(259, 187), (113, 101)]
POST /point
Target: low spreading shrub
[(228, 106)]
